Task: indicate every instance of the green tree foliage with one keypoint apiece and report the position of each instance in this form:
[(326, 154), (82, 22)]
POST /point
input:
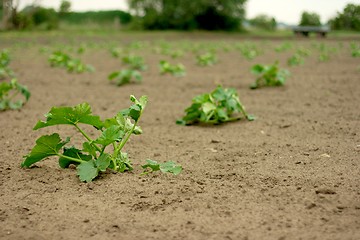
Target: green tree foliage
[(36, 16), (310, 19), (96, 16), (65, 6), (189, 14), (349, 19), (264, 22)]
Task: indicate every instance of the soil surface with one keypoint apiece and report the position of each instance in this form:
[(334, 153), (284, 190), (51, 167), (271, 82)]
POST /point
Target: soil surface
[(293, 173)]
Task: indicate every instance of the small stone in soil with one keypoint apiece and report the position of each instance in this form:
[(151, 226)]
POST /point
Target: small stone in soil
[(325, 191)]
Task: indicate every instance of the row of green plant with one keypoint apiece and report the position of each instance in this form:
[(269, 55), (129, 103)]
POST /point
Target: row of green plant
[(13, 95), (62, 60)]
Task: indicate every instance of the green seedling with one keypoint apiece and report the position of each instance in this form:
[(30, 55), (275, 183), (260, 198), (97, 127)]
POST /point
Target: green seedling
[(283, 47), (9, 95), (81, 49), (125, 76), (206, 59), (60, 59), (5, 71), (216, 107), (167, 167), (93, 158), (176, 53), (295, 60), (175, 70), (250, 52), (355, 50), (269, 75), (135, 62), (116, 52), (303, 52), (324, 57)]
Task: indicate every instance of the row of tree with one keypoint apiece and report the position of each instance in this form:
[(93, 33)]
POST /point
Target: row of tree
[(170, 14)]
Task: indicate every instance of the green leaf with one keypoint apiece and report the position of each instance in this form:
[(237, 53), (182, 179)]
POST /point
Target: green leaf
[(87, 147), (208, 107), (257, 69), (103, 162), (153, 165), (167, 167), (87, 171), (47, 145), (170, 167), (110, 135), (74, 153), (70, 115), (123, 162)]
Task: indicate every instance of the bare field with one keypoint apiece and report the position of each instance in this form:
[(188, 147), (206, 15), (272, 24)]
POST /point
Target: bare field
[(293, 173)]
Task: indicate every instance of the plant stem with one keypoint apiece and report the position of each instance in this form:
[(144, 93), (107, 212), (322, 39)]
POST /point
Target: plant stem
[(87, 137), (71, 158), (122, 143)]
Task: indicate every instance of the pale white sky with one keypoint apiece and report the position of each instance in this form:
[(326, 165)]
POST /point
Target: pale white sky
[(287, 11)]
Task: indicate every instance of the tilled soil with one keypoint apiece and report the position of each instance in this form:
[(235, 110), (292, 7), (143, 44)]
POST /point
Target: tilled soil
[(293, 173)]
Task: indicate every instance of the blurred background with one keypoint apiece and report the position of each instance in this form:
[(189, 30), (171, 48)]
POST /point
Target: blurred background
[(247, 16)]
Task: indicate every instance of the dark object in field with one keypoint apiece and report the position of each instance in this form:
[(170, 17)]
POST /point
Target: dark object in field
[(306, 30)]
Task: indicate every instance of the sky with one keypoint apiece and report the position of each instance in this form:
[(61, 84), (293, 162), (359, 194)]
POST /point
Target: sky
[(286, 11)]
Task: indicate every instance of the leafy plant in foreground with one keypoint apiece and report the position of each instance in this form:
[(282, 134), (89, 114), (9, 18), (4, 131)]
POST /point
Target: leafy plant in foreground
[(92, 158), (214, 108), (8, 95), (125, 76), (60, 59), (269, 75), (175, 70), (206, 59)]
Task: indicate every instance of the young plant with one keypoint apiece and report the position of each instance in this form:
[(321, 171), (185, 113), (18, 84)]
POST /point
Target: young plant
[(135, 62), (92, 158), (5, 71), (8, 95), (249, 51), (355, 50), (116, 52), (303, 52), (60, 59), (167, 167), (175, 70), (216, 107), (206, 59), (125, 76), (324, 57), (269, 75), (295, 60), (283, 47)]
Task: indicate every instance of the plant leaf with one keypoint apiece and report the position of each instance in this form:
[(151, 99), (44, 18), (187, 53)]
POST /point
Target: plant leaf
[(103, 162), (153, 165), (87, 147), (74, 153), (108, 136), (81, 113), (170, 167), (87, 171), (47, 145)]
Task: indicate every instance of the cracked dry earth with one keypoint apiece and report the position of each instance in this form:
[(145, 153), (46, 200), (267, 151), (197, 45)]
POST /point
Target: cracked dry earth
[(291, 174)]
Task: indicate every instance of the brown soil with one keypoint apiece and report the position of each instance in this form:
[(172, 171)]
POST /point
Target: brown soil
[(291, 174)]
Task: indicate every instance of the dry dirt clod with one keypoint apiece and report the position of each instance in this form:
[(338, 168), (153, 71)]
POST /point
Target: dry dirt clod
[(325, 191)]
